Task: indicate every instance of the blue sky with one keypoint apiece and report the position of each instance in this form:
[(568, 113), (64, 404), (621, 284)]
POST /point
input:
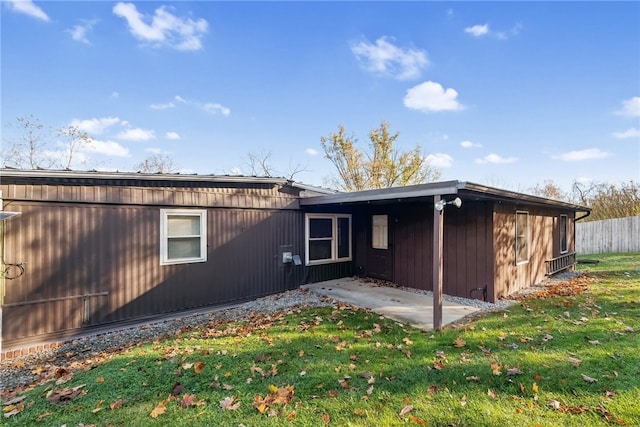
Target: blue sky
[(502, 93)]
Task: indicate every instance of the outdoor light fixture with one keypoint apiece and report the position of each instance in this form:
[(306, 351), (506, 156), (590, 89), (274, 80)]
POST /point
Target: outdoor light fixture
[(440, 204)]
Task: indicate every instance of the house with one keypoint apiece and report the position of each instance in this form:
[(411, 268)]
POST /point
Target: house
[(97, 248)]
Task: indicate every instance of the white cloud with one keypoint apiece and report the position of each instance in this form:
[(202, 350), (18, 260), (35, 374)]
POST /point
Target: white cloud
[(164, 106), (496, 159), (629, 133), (137, 134), (235, 171), (180, 99), (95, 126), (431, 96), (584, 180), (155, 150), (108, 148), (163, 28), (172, 135), (214, 108), (484, 30), (79, 32), (469, 144), (28, 8), (440, 160), (579, 155), (114, 95), (478, 30), (311, 151), (385, 58), (630, 107)]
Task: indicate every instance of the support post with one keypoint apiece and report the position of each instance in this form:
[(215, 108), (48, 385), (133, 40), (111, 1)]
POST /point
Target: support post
[(438, 227)]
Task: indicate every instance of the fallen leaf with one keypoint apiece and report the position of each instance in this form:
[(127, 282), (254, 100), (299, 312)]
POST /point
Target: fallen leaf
[(492, 394), (406, 410), (418, 421), (534, 387), (459, 342), (160, 409), (100, 380), (594, 342), (514, 371), (176, 389), (554, 404), (117, 404), (326, 418), (187, 400), (432, 389), (588, 378), (574, 361), (473, 378), (98, 407), (496, 368), (198, 367), (15, 400), (229, 403), (438, 364)]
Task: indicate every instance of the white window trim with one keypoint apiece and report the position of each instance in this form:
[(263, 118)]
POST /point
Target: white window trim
[(334, 239), (164, 238), (566, 234), (528, 236)]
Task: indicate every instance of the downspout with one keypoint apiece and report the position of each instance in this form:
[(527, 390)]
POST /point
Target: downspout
[(582, 217)]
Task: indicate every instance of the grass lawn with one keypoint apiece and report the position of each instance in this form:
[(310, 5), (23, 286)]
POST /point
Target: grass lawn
[(570, 357)]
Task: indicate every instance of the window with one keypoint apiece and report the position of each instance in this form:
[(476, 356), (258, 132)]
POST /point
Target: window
[(380, 232), (522, 237), (328, 238), (183, 236), (563, 234)]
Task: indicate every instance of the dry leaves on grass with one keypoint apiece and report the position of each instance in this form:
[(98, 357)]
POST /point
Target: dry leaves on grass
[(64, 395), (276, 396), (14, 406), (229, 403)]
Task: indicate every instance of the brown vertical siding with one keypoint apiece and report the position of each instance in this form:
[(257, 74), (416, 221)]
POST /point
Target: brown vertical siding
[(92, 263), (412, 247), (468, 250), (543, 244)]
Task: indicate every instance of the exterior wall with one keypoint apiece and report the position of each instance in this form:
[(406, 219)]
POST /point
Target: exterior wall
[(96, 259), (468, 250), (544, 244), (468, 255)]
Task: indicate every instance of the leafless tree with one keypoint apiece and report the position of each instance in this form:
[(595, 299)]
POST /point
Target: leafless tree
[(40, 147), (156, 163)]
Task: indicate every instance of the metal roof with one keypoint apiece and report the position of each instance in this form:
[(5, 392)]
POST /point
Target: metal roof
[(465, 190), (140, 176)]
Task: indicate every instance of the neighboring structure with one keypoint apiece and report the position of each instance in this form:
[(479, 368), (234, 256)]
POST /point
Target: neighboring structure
[(100, 247)]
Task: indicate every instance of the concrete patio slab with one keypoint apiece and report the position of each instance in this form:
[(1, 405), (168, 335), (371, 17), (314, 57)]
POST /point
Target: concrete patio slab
[(397, 304)]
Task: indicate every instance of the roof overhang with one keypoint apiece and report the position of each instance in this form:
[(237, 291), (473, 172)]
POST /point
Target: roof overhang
[(426, 192)]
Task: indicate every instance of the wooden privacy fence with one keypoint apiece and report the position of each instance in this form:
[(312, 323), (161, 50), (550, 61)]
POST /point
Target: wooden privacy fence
[(609, 235)]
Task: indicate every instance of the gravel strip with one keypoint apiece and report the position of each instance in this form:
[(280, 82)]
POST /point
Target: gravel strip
[(14, 373)]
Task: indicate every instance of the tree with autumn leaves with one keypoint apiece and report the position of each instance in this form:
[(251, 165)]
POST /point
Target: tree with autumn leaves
[(384, 165)]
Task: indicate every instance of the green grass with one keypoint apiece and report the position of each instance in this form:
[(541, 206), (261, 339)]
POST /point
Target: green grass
[(350, 367)]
